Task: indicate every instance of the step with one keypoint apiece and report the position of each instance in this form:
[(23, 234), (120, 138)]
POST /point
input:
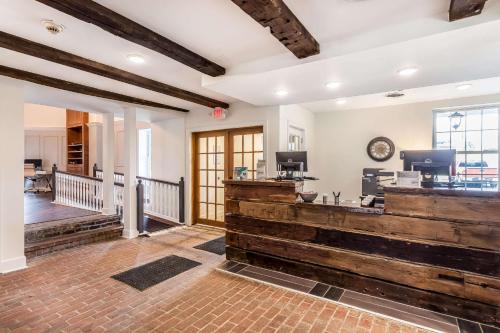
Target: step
[(41, 231), (46, 237), (67, 241)]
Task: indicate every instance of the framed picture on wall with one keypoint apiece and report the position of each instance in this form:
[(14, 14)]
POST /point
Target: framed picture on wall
[(296, 138)]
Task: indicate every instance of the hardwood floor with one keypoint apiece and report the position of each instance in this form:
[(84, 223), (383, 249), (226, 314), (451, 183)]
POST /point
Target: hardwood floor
[(39, 208)]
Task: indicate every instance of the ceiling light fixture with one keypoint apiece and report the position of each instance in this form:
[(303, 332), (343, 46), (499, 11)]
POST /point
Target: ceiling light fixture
[(135, 58), (341, 101), (52, 27), (281, 92), (464, 86), (395, 94), (332, 85), (456, 119), (409, 71)]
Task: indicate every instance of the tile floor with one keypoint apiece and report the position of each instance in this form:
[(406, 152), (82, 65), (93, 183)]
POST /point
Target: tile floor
[(72, 291), (412, 315)]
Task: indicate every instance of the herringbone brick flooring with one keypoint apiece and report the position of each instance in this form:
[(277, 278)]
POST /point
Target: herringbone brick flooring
[(71, 291)]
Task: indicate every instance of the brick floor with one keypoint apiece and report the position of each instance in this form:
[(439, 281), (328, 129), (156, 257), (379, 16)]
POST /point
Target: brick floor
[(71, 291)]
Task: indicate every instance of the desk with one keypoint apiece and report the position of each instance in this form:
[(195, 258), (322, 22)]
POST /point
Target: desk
[(434, 249), (43, 177)]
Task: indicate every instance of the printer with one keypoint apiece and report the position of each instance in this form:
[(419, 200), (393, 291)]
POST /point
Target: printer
[(373, 182)]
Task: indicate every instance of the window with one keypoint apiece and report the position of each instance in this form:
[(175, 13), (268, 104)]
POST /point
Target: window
[(473, 133), (144, 153)]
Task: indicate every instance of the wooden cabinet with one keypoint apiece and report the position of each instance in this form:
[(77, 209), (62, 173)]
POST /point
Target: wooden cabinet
[(76, 118), (77, 134)]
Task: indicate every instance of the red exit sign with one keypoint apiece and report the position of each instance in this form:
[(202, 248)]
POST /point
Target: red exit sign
[(219, 113)]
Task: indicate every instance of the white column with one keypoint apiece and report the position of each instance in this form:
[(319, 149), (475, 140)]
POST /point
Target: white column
[(130, 161), (11, 176), (95, 141), (108, 162)]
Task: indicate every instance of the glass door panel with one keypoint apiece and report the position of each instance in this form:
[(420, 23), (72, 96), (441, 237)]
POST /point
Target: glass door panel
[(209, 174), (248, 149), (215, 155)]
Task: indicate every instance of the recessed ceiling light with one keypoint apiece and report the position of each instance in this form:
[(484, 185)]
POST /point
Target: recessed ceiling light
[(332, 85), (52, 27), (281, 92), (341, 101), (395, 94), (409, 71), (464, 86), (135, 58)]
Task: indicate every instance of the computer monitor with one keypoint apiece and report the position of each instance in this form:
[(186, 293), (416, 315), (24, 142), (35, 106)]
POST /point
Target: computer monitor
[(431, 163), (290, 162), (35, 161)]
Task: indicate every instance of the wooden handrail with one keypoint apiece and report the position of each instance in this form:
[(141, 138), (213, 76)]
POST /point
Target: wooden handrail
[(144, 178), (177, 197), (81, 176), (87, 177), (158, 181)]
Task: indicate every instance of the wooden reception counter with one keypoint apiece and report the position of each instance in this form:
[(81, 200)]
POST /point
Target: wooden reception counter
[(435, 249)]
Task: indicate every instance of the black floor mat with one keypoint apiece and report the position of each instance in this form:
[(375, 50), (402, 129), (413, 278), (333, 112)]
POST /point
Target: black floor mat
[(148, 275), (217, 246), (153, 226)]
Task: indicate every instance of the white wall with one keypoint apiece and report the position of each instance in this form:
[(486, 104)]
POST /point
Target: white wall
[(11, 175), (45, 135), (49, 145), (168, 149), (41, 116), (299, 117), (240, 115), (172, 144), (342, 137)]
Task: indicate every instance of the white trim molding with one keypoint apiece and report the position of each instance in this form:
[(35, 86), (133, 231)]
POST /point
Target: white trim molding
[(13, 264)]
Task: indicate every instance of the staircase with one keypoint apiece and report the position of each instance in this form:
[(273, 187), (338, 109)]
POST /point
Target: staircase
[(46, 237)]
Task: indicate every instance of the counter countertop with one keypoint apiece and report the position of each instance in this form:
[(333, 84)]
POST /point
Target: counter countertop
[(266, 182), (452, 192), (349, 206)]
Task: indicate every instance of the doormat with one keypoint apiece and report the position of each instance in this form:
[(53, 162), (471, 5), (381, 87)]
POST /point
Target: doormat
[(150, 274), (217, 246), (153, 225)]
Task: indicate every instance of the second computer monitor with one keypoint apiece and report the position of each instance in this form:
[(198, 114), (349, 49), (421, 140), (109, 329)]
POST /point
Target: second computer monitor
[(283, 157)]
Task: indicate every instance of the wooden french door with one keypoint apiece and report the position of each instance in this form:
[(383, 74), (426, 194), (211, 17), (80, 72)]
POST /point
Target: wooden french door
[(215, 155)]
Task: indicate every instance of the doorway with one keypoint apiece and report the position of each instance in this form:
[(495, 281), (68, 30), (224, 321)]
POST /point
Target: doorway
[(215, 155)]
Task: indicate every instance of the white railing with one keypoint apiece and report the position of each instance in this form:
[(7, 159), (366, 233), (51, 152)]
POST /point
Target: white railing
[(161, 198), (78, 191), (84, 192), (118, 192), (118, 177)]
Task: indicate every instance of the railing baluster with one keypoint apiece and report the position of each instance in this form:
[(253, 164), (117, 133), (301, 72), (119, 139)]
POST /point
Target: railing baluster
[(161, 198)]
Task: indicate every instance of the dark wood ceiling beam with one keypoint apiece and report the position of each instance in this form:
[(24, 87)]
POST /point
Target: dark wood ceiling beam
[(94, 13), (38, 50), (80, 88), (285, 26), (460, 9)]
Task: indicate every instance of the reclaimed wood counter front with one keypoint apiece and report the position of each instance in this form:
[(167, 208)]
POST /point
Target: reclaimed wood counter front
[(438, 250)]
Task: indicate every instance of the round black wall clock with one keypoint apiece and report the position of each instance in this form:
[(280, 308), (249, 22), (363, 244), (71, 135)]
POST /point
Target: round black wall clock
[(380, 149)]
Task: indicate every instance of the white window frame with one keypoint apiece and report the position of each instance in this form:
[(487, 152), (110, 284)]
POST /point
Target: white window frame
[(465, 109)]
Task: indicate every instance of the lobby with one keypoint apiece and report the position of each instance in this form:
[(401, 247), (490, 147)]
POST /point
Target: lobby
[(251, 166)]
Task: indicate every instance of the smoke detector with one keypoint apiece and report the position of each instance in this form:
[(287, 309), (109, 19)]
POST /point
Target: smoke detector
[(395, 94), (52, 27)]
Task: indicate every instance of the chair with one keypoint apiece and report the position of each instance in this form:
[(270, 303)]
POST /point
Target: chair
[(30, 174)]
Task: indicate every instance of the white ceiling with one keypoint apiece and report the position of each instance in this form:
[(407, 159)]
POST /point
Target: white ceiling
[(362, 43), (482, 87), (458, 55)]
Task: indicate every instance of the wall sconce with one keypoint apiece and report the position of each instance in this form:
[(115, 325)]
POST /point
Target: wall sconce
[(456, 119)]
